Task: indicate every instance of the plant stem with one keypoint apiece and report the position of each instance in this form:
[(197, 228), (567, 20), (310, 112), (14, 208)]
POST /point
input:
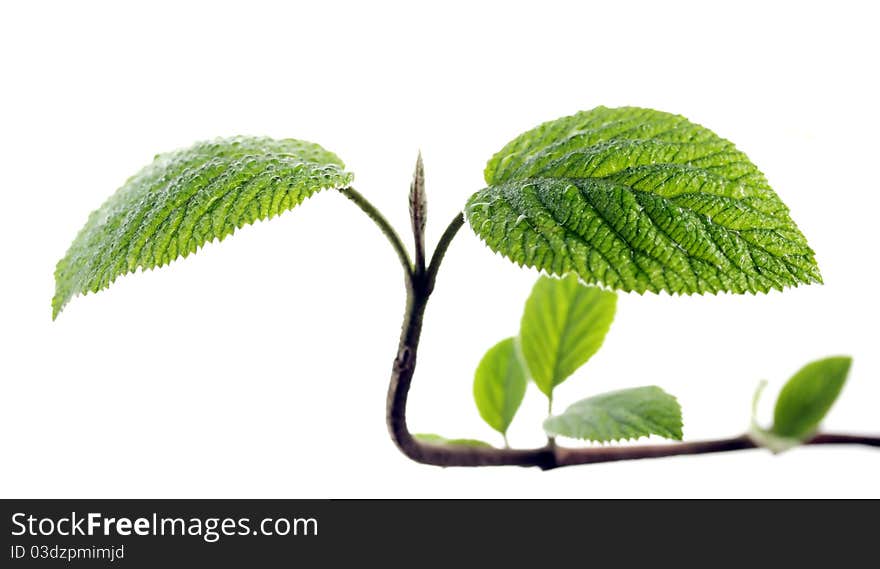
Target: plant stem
[(551, 441), (384, 226)]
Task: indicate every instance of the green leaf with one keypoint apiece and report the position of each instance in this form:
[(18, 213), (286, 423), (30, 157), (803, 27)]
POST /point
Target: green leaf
[(639, 200), (809, 394), (624, 414), (187, 198), (438, 440), (563, 325), (500, 384)]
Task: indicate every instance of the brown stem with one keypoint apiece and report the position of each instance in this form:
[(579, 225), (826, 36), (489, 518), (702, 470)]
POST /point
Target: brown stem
[(419, 289), (841, 439), (572, 456), (569, 457)]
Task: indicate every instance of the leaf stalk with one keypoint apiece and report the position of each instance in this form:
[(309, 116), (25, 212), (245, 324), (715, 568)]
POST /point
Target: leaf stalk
[(384, 226)]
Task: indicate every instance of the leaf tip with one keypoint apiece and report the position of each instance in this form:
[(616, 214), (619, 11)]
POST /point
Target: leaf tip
[(58, 303)]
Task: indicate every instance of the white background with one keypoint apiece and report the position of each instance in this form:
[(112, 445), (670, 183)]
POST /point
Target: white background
[(258, 367)]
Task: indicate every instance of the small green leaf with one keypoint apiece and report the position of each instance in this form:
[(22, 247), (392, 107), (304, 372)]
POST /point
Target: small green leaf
[(809, 394), (500, 384), (563, 325), (438, 440), (187, 198), (624, 414), (639, 200)]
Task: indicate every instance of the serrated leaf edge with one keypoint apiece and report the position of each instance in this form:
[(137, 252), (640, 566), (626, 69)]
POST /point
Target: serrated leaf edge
[(348, 176), (679, 425)]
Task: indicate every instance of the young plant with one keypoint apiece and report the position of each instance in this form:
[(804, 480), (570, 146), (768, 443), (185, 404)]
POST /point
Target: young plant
[(628, 199)]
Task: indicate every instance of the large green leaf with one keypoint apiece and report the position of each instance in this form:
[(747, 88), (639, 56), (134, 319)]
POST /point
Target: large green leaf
[(187, 198), (639, 200), (808, 396), (563, 325), (500, 384), (624, 414)]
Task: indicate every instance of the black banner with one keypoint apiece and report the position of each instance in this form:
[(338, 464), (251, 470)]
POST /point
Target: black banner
[(268, 533)]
